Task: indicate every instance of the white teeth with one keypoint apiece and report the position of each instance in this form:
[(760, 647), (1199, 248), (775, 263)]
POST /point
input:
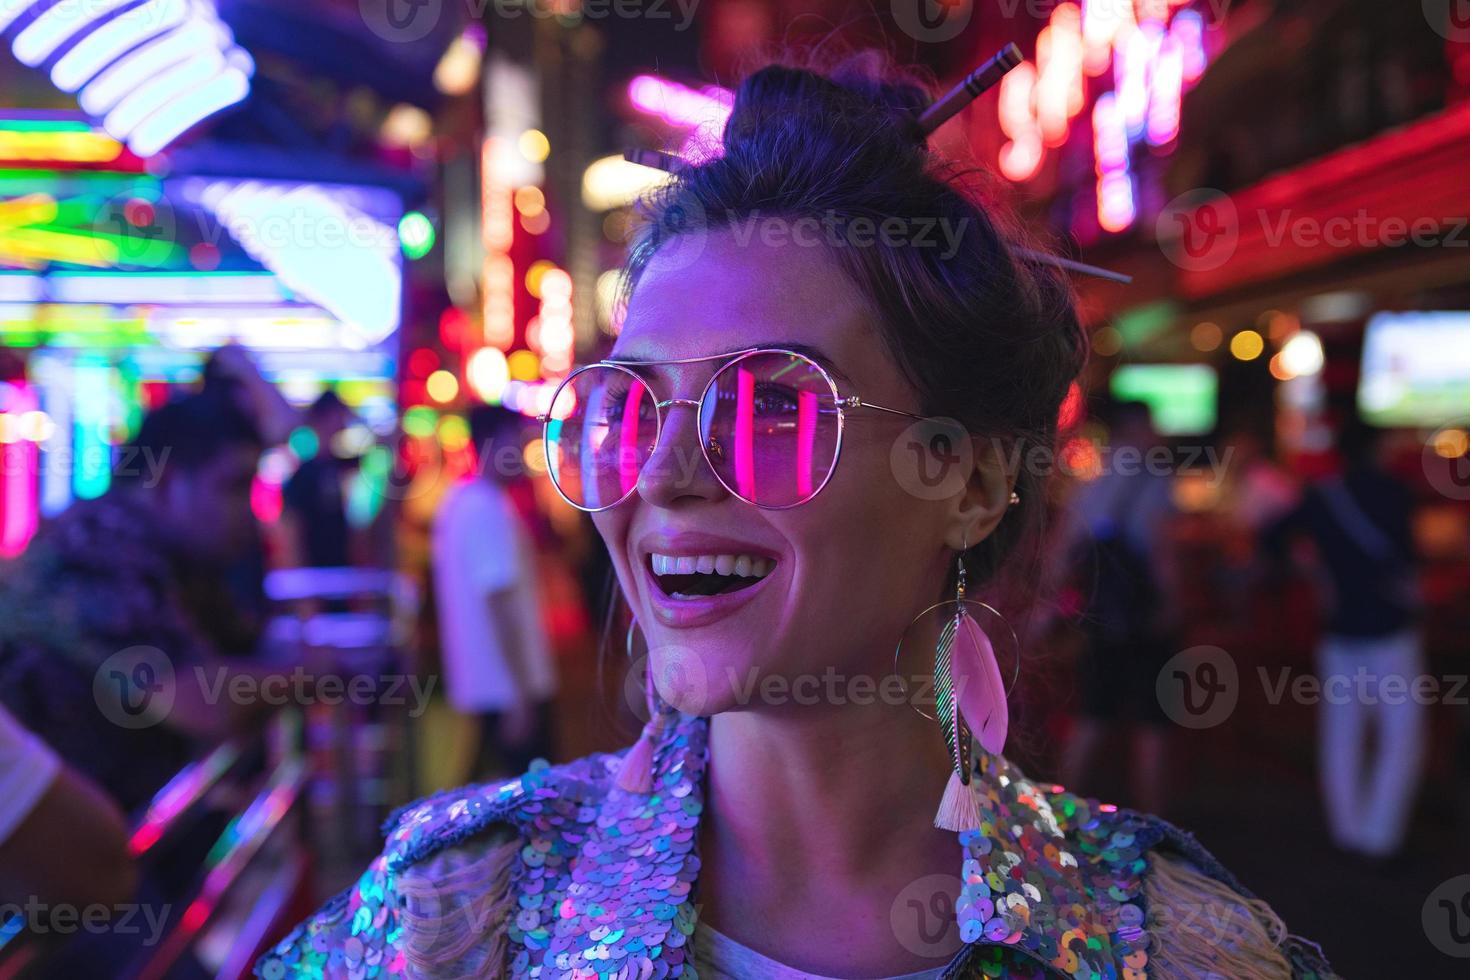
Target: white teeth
[(746, 566)]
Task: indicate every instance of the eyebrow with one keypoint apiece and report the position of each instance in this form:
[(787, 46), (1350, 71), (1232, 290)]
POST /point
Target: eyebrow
[(806, 350)]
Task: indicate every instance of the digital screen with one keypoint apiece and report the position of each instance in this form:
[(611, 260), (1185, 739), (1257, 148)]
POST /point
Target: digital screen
[(1181, 397), (1416, 368)]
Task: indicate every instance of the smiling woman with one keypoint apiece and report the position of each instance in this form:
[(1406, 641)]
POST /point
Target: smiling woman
[(801, 448)]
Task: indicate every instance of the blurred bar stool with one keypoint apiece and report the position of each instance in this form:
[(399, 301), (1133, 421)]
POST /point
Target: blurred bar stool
[(353, 627)]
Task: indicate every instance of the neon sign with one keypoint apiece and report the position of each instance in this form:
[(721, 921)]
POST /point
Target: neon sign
[(1155, 50)]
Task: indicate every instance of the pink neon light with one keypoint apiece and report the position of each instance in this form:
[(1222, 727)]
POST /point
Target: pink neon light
[(266, 500), (1156, 50), (1060, 88), (1168, 90), (806, 438), (745, 434), (628, 440), (18, 464), (1115, 207), (702, 111)]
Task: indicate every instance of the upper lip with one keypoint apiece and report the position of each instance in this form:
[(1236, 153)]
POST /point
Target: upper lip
[(693, 543)]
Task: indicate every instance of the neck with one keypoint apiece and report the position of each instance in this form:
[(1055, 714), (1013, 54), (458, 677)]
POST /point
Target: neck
[(826, 787)]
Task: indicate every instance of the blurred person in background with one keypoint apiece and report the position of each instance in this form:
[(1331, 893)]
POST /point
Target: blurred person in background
[(1119, 543), (61, 839), (496, 654), (99, 649), (1359, 523), (235, 608), (314, 525)]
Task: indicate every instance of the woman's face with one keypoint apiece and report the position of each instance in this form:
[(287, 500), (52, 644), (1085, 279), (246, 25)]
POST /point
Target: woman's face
[(848, 570)]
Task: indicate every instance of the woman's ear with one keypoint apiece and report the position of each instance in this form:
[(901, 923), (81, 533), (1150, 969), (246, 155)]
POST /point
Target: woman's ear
[(986, 497)]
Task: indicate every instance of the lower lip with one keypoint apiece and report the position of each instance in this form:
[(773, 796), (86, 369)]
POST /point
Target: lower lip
[(700, 611)]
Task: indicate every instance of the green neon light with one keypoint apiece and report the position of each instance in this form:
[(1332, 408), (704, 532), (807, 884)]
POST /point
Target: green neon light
[(45, 125)]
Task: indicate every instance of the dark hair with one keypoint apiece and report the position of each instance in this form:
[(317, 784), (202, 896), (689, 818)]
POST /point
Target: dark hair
[(984, 335), (189, 432), (491, 424)]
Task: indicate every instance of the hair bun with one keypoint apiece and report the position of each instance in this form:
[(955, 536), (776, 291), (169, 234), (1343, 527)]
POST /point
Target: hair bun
[(863, 105)]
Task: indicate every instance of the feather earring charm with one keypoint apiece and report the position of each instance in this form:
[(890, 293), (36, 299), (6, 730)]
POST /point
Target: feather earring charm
[(636, 773), (971, 701)]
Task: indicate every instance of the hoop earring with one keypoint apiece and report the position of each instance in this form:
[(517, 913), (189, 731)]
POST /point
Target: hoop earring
[(636, 772), (970, 696)]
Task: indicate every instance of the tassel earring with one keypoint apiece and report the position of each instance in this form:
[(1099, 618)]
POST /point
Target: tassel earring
[(636, 772), (970, 696)]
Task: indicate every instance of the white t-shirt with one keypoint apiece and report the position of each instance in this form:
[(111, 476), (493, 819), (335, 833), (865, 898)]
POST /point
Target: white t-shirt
[(480, 547), (718, 957), (28, 767)]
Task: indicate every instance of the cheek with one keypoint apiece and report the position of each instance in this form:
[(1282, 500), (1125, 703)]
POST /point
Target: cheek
[(868, 556), (612, 526)]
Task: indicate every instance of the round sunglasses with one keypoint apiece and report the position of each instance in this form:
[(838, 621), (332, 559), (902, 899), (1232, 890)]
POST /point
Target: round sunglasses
[(770, 421)]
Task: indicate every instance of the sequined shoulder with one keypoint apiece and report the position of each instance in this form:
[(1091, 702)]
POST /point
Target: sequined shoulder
[(361, 932), (356, 933)]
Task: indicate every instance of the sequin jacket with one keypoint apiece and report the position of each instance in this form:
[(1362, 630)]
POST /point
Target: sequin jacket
[(601, 882)]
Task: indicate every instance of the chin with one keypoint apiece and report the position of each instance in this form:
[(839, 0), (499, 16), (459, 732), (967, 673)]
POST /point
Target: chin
[(708, 679)]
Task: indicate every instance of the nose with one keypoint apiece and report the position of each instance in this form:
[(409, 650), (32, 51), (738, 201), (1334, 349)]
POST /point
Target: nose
[(678, 470)]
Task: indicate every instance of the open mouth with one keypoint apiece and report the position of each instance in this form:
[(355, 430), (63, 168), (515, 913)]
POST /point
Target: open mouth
[(699, 576)]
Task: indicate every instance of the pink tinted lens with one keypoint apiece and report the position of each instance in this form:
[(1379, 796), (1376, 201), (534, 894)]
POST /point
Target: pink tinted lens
[(603, 428), (771, 428)]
